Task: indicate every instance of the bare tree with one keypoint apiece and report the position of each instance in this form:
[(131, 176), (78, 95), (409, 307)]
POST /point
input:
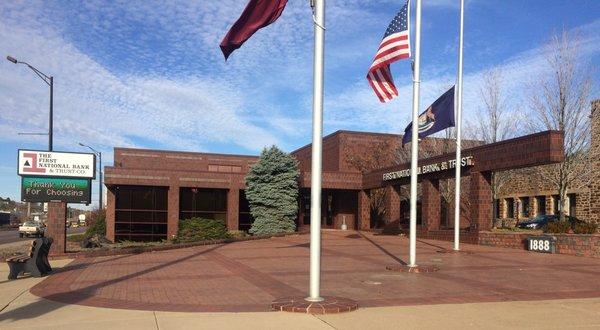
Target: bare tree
[(559, 101), (380, 155), (495, 123)]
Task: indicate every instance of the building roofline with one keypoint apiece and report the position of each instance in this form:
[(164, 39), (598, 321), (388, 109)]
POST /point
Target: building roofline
[(184, 152), (339, 132)]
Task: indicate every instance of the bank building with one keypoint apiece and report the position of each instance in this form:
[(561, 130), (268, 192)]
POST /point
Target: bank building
[(149, 191)]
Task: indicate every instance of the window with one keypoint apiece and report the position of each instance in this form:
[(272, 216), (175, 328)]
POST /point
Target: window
[(572, 204), (203, 203), (510, 208), (140, 213), (245, 216), (525, 209), (541, 205)]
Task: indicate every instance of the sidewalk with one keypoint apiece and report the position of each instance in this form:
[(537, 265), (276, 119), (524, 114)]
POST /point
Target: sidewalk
[(26, 311)]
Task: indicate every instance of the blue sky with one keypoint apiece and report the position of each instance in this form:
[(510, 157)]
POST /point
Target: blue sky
[(150, 74)]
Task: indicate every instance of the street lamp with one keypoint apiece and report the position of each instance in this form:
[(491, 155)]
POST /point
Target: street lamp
[(99, 154), (49, 80)]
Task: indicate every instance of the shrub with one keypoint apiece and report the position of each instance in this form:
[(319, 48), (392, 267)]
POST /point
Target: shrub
[(97, 224), (558, 227), (237, 233), (586, 228), (199, 229), (273, 192)]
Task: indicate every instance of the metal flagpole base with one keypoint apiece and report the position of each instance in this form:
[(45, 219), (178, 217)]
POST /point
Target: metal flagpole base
[(412, 269), (328, 305)]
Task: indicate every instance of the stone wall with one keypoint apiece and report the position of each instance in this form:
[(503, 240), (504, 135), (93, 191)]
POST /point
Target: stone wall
[(594, 188), (530, 182)]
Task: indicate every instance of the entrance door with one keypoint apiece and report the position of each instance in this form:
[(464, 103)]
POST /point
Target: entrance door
[(327, 208)]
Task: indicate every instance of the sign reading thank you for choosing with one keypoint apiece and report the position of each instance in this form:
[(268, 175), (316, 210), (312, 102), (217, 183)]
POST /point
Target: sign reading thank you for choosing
[(57, 164), (43, 189)]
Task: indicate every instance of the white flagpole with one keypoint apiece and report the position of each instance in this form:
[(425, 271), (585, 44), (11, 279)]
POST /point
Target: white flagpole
[(415, 141), (316, 164), (458, 134)]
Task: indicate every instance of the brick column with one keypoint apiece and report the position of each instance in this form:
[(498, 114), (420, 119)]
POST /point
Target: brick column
[(533, 206), (56, 228), (481, 194), (430, 204), (392, 204), (233, 209), (173, 211), (549, 204), (503, 210), (110, 214), (364, 210)]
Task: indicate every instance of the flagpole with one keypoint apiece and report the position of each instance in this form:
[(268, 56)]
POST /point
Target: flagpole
[(458, 132), (316, 164), (415, 140)]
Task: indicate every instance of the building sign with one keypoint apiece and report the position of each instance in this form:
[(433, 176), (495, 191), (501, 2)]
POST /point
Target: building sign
[(430, 168), (544, 244), (44, 189), (57, 164)]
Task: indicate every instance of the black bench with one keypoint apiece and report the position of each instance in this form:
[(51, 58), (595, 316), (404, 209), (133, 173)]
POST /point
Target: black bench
[(35, 262)]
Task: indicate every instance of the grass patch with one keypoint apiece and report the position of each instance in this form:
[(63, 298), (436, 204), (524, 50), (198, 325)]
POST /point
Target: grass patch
[(77, 238)]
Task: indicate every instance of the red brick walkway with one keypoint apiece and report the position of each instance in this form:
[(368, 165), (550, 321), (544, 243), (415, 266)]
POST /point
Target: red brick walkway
[(247, 276)]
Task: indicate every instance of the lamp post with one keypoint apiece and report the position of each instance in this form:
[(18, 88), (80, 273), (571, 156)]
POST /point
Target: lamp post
[(99, 154), (49, 80)]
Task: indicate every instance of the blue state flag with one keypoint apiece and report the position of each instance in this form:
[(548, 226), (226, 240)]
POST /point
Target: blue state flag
[(439, 116)]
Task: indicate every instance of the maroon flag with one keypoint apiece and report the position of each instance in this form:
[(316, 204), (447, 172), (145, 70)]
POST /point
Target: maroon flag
[(257, 15)]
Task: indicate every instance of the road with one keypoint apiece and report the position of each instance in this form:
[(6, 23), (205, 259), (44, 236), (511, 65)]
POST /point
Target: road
[(11, 236)]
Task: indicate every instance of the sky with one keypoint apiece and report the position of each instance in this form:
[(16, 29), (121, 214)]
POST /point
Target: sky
[(150, 74)]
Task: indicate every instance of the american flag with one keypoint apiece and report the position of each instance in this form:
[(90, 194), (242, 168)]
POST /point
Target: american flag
[(394, 46)]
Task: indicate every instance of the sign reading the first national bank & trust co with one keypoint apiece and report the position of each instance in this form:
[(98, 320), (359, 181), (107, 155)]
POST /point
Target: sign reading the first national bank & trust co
[(56, 164), (429, 168)]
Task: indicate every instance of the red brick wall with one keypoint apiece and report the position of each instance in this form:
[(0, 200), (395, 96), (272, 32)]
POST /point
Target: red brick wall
[(364, 210), (571, 244), (430, 204), (448, 235), (481, 196), (56, 227)]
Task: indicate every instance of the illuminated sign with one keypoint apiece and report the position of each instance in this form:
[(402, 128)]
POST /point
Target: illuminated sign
[(44, 189)]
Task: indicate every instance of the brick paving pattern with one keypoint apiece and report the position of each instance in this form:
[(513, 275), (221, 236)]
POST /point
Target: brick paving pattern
[(248, 276)]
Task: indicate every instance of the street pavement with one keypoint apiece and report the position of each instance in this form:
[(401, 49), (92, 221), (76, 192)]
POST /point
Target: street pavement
[(12, 236)]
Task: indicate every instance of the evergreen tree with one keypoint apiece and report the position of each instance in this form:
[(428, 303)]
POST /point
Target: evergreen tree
[(273, 192)]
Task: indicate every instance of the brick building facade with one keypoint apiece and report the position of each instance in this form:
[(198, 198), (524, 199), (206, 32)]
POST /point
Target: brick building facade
[(527, 193), (149, 191)]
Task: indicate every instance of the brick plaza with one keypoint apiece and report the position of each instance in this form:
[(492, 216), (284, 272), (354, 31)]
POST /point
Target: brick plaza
[(247, 276)]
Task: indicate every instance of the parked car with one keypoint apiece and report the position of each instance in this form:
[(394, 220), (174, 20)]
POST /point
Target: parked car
[(31, 228), (542, 220)]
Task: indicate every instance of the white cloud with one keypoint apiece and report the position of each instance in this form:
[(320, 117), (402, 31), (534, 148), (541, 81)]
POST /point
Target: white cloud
[(357, 107)]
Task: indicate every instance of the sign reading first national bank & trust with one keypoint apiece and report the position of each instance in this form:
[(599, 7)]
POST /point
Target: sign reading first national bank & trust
[(429, 168), (56, 164)]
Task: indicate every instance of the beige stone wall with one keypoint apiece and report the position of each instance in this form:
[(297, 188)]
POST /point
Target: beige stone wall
[(594, 188)]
